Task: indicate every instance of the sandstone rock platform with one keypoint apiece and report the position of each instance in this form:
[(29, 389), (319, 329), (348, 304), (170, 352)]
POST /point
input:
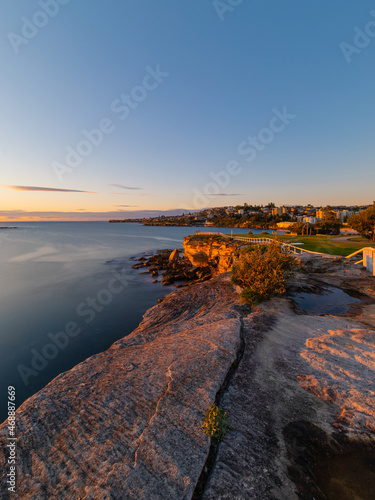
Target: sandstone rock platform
[(125, 424), (298, 390)]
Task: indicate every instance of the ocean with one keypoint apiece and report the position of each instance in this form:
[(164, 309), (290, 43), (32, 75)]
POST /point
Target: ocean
[(67, 291)]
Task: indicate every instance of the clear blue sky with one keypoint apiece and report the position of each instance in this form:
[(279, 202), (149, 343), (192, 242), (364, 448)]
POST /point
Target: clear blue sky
[(223, 71)]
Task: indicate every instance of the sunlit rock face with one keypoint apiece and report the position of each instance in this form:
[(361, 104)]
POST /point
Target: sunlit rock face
[(126, 423), (174, 255), (220, 254), (344, 374)]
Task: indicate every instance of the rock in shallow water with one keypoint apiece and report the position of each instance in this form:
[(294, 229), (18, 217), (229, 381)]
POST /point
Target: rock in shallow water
[(174, 255)]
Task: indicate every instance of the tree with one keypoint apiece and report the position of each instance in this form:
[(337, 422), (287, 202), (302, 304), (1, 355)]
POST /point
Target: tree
[(364, 222), (329, 215), (302, 228), (327, 227), (284, 217)]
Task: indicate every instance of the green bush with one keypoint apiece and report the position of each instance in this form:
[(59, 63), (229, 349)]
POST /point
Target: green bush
[(263, 272), (215, 423)]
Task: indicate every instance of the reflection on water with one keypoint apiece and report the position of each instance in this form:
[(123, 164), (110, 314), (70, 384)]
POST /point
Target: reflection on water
[(348, 477), (332, 301)]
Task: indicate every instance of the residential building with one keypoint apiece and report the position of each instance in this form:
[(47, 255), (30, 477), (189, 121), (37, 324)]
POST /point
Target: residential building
[(310, 220), (341, 214)]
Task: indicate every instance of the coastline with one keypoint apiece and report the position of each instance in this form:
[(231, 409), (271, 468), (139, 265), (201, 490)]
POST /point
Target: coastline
[(130, 417)]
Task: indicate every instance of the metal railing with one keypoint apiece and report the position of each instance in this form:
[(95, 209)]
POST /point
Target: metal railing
[(209, 233), (266, 241), (263, 241)]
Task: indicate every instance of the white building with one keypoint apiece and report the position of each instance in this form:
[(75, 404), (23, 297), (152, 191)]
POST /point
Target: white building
[(341, 214), (310, 220)]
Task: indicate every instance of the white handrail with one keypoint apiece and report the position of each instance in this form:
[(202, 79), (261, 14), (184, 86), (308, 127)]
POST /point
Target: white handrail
[(265, 241), (368, 258), (359, 251)]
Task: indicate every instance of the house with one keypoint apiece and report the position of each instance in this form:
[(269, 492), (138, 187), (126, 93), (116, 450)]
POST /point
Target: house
[(310, 220)]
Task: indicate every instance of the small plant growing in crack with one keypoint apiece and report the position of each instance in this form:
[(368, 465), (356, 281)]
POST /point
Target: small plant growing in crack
[(215, 423)]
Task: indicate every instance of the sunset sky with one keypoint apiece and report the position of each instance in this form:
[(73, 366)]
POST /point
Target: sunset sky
[(279, 95)]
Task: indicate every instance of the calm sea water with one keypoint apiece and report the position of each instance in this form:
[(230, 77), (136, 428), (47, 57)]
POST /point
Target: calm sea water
[(67, 291)]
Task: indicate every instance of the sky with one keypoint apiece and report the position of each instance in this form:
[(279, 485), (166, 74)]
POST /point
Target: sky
[(123, 109)]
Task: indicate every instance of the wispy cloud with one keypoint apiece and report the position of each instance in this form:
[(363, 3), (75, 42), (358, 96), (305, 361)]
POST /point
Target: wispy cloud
[(129, 206), (124, 187), (225, 194), (38, 188), (23, 215), (139, 194)]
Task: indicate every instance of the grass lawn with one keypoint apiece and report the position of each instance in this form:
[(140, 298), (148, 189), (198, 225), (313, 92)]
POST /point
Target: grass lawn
[(323, 244)]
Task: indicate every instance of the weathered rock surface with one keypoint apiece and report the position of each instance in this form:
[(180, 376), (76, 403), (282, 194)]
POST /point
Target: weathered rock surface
[(304, 390), (218, 253), (175, 268), (125, 424), (198, 258)]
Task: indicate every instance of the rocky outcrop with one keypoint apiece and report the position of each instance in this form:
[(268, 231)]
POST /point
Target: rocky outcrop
[(218, 253), (203, 257), (125, 424), (175, 268)]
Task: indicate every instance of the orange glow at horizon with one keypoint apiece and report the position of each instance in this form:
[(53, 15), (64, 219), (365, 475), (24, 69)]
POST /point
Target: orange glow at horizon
[(18, 204)]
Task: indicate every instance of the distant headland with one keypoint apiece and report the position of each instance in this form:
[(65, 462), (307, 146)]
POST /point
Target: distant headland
[(300, 219)]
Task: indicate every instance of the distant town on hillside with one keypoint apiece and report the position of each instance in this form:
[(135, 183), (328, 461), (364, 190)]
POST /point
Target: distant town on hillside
[(301, 219)]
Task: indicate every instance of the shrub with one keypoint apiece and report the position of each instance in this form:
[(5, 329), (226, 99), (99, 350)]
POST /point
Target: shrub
[(263, 272), (215, 423), (364, 222)]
